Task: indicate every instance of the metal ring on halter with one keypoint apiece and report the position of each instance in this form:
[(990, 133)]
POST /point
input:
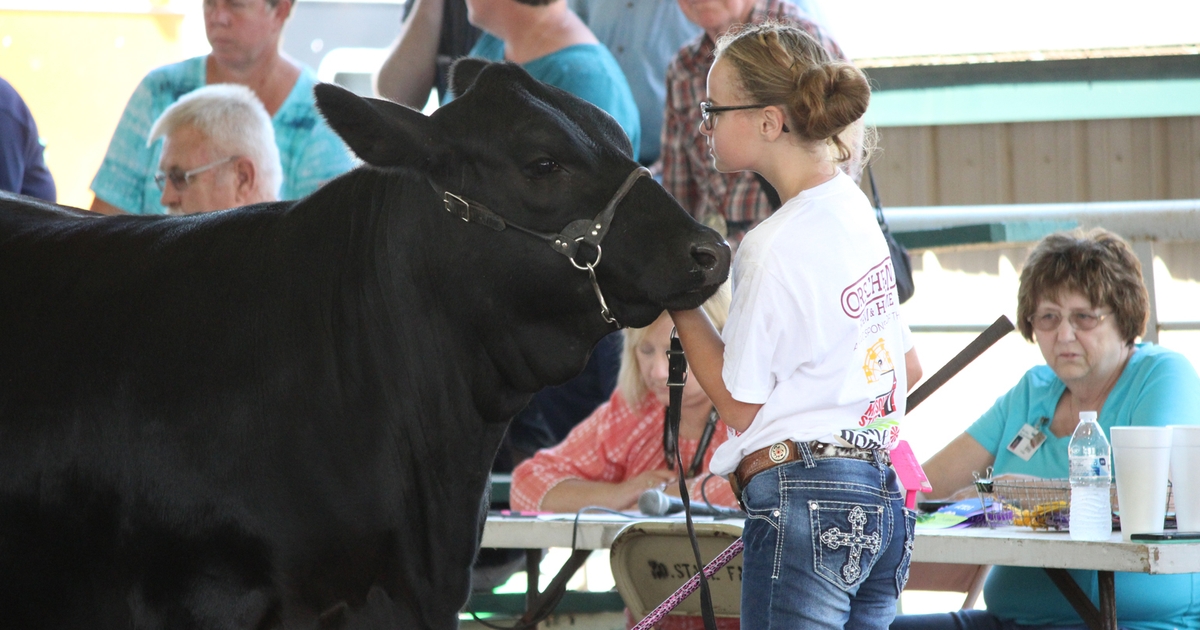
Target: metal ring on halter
[(594, 263), (565, 242)]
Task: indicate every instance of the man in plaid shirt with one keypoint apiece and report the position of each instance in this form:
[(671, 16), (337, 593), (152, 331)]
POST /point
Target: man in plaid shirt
[(688, 173)]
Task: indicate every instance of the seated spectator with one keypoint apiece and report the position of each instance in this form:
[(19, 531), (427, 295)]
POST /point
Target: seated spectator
[(218, 151), (22, 167), (644, 36), (544, 36), (731, 203), (617, 453), (245, 38), (1082, 299)]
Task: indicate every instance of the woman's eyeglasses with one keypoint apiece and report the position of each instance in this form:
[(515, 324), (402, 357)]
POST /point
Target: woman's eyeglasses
[(708, 112), (180, 179), (1080, 320)]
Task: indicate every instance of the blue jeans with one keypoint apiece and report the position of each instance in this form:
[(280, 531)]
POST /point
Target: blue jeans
[(828, 542)]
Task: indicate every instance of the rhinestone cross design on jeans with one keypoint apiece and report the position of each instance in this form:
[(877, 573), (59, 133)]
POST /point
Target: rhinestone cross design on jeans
[(835, 538)]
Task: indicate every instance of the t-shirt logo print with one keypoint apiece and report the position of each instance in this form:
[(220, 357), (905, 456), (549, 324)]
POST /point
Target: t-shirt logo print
[(873, 294), (876, 366), (878, 431)]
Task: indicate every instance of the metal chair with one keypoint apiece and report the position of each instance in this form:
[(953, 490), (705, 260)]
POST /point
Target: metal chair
[(651, 559)]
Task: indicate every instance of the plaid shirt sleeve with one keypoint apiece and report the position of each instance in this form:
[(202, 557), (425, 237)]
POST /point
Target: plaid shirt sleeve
[(679, 128)]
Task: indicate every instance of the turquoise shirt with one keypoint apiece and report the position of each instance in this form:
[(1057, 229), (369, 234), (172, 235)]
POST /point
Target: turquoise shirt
[(310, 152), (1157, 388), (588, 71)]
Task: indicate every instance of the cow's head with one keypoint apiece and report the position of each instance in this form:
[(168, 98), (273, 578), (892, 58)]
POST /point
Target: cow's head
[(543, 164)]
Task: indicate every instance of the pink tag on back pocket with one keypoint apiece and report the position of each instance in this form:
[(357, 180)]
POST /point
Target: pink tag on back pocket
[(910, 473)]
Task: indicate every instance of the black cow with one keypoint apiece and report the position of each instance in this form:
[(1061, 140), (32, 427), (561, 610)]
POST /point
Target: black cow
[(284, 415)]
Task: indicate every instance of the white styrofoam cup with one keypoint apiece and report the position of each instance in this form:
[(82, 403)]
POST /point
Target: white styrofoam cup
[(1141, 459), (1185, 475)]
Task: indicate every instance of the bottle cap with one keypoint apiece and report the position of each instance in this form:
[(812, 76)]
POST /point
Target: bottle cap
[(1087, 416)]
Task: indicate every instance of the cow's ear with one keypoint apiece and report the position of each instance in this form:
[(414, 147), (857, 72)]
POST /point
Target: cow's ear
[(464, 72), (380, 132)]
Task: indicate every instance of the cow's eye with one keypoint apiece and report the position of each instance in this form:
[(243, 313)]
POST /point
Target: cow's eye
[(542, 167)]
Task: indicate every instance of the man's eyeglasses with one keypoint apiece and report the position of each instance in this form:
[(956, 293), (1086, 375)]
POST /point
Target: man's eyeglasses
[(708, 112), (181, 179), (1080, 320)]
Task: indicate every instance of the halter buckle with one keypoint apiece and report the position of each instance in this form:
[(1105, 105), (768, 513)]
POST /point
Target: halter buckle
[(464, 211)]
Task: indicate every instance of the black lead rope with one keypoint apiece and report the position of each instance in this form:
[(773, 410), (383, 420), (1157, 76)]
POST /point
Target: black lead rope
[(676, 378)]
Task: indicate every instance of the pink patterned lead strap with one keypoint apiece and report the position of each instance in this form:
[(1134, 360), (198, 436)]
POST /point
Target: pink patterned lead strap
[(689, 587)]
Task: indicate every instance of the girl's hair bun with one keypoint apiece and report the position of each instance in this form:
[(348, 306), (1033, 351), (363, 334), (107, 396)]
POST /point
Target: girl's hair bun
[(830, 96)]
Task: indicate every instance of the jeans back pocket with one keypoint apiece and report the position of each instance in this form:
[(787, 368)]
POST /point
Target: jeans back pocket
[(847, 538), (910, 529)]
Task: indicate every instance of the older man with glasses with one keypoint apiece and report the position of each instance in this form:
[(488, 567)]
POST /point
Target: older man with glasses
[(245, 37), (218, 152)]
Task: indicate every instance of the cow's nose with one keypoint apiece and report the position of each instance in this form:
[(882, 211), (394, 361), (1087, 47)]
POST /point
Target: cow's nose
[(712, 257)]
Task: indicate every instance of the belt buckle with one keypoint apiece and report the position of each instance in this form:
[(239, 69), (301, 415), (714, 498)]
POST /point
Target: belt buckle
[(779, 452)]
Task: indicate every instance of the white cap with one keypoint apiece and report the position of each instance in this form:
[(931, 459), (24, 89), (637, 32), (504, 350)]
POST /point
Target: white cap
[(1087, 416)]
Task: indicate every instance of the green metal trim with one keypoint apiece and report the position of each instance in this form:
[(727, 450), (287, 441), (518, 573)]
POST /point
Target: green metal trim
[(1034, 102), (501, 485), (1007, 232)]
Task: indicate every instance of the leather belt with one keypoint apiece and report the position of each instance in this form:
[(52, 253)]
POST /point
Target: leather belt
[(786, 451)]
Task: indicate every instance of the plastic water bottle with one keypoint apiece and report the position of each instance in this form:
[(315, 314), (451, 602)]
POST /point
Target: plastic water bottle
[(1091, 470)]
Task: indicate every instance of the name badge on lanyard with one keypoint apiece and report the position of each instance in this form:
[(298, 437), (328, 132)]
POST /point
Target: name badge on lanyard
[(1029, 439)]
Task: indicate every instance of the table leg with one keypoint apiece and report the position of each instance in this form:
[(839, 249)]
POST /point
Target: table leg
[(1108, 599), (1104, 618), (533, 562), (541, 605)]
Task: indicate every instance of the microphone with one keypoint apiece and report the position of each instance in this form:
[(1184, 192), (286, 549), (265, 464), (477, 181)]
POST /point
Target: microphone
[(658, 503)]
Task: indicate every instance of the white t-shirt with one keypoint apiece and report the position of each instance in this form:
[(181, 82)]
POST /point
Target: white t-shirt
[(814, 332)]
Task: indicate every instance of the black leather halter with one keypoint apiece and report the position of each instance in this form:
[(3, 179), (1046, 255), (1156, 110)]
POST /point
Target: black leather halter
[(565, 242)]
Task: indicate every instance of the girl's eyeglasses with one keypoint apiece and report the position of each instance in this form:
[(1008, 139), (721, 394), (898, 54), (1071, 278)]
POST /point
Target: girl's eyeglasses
[(1080, 320), (708, 112), (180, 179)]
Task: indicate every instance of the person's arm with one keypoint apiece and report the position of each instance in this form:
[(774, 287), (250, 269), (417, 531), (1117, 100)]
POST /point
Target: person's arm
[(950, 471), (706, 358), (912, 367), (408, 73), (589, 467), (573, 494)]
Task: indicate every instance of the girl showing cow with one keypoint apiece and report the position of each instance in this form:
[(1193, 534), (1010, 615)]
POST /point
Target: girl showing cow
[(811, 371)]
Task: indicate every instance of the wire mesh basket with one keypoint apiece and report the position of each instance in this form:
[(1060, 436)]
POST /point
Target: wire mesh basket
[(1034, 503), (1040, 503)]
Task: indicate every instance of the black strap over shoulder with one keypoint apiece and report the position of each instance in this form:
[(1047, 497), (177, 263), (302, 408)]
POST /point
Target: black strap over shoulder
[(676, 379), (901, 262)]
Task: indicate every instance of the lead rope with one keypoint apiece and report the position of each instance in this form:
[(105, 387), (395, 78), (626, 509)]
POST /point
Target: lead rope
[(676, 378)]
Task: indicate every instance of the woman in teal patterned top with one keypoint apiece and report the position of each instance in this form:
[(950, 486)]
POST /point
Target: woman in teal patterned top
[(1083, 301), (244, 35)]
